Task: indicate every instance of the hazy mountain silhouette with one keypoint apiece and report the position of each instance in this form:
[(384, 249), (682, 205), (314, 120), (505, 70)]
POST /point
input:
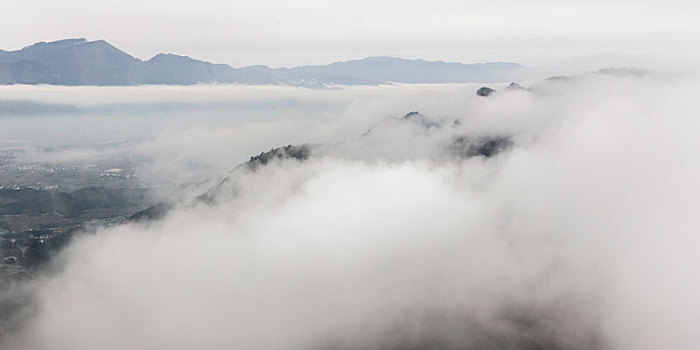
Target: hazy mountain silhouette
[(69, 62), (82, 62)]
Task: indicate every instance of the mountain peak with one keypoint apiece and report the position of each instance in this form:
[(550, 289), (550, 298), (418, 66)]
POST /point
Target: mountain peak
[(170, 57), (57, 44)]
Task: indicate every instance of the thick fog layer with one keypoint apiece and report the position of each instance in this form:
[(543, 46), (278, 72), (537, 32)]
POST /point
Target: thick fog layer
[(580, 232)]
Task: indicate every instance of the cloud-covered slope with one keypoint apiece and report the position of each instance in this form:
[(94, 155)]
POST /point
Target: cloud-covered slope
[(579, 234)]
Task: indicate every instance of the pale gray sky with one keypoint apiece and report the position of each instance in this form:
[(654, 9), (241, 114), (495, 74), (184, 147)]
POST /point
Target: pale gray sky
[(284, 33)]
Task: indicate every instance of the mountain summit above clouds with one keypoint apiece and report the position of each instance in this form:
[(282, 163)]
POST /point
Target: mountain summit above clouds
[(83, 62)]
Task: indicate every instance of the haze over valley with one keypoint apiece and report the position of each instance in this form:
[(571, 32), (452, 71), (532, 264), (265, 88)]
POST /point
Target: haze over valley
[(349, 175)]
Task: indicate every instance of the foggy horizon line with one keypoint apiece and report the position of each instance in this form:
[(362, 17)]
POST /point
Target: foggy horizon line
[(81, 40), (81, 62)]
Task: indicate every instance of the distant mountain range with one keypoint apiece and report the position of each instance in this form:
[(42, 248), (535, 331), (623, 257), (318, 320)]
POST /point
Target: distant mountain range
[(82, 62)]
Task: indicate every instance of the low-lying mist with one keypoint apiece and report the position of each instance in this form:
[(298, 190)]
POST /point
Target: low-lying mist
[(190, 133), (575, 229)]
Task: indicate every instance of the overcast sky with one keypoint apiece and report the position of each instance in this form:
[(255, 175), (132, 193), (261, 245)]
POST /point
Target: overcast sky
[(285, 33)]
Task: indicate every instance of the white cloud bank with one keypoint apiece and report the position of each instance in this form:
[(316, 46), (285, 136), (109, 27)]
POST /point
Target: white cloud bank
[(583, 235)]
